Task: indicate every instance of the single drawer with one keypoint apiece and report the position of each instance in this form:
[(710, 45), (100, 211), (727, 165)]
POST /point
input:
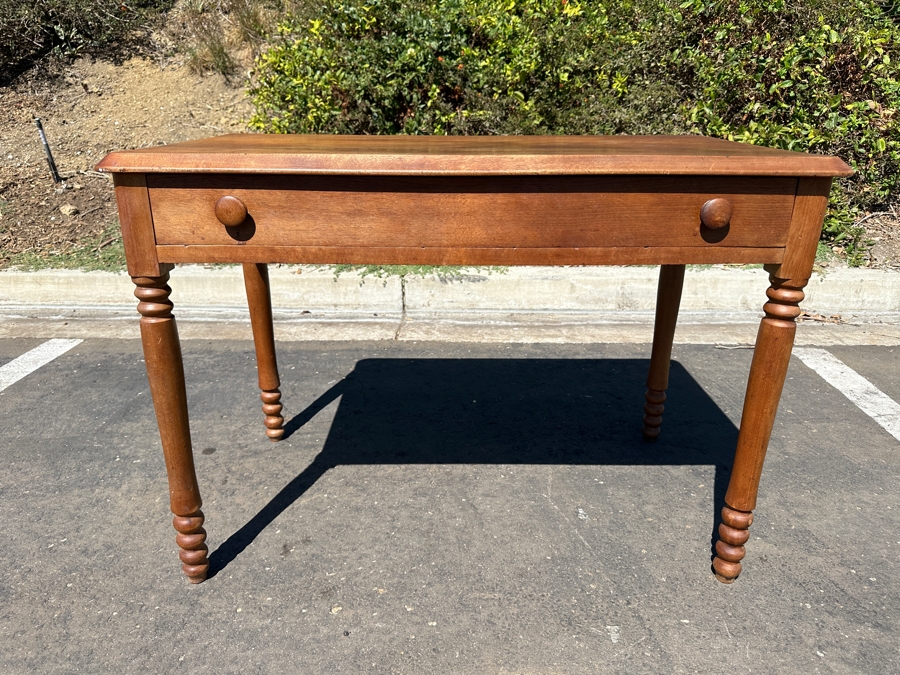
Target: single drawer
[(471, 212)]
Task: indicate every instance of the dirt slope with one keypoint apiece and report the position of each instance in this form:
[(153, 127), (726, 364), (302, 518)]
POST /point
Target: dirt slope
[(94, 108)]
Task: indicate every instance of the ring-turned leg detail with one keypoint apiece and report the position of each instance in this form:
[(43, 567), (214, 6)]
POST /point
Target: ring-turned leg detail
[(767, 374), (191, 539), (653, 410), (259, 299), (272, 409), (734, 531), (668, 299), (165, 372)]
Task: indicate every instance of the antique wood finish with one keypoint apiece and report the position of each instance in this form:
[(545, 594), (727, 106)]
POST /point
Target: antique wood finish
[(259, 298), (521, 212), (165, 371), (668, 299), (805, 229), (230, 211), (405, 255), (768, 372), (716, 213), (137, 224), (546, 200), (471, 156)]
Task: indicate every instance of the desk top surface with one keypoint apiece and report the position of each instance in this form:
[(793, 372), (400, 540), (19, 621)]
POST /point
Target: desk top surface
[(471, 155)]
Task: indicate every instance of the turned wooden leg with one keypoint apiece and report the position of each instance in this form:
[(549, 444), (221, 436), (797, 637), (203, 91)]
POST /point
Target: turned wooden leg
[(256, 280), (668, 298), (165, 371), (767, 373)]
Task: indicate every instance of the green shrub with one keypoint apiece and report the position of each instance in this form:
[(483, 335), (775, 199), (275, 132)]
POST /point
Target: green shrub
[(813, 76), (818, 76), (462, 67)]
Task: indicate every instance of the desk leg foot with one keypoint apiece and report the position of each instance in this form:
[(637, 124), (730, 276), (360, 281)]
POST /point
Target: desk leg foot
[(165, 372), (259, 299), (668, 299), (767, 374), (653, 410), (191, 539), (733, 534), (272, 409)]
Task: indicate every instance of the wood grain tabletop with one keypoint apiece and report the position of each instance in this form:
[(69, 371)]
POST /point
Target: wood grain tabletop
[(471, 155)]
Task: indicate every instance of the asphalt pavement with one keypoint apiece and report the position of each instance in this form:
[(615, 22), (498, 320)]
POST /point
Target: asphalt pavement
[(444, 508)]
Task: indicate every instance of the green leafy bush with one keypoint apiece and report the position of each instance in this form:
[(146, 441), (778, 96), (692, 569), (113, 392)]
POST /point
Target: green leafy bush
[(812, 76), (816, 76), (462, 67)]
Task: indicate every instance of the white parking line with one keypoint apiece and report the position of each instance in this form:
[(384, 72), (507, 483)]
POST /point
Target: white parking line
[(865, 395), (41, 355)]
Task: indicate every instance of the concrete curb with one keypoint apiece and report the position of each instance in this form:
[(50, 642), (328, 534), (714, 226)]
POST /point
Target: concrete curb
[(524, 304), (519, 289)]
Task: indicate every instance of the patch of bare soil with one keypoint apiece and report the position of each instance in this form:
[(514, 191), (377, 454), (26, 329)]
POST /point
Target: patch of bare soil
[(91, 109), (883, 229)]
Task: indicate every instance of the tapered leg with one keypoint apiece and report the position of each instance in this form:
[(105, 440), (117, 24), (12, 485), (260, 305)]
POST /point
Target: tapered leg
[(259, 298), (165, 371), (668, 298), (767, 374)]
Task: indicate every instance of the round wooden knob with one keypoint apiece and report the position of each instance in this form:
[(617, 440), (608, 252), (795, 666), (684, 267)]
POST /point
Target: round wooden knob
[(716, 213), (231, 211)]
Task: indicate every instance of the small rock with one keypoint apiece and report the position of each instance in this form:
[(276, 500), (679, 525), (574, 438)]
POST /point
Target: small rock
[(335, 610), (68, 210)]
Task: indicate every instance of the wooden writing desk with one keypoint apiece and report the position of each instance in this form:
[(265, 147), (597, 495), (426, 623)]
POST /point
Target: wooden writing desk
[(539, 200)]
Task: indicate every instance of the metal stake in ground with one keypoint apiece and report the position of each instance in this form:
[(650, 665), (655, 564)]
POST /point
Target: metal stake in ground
[(56, 177)]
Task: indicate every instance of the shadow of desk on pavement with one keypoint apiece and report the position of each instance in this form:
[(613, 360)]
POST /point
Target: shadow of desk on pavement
[(503, 412)]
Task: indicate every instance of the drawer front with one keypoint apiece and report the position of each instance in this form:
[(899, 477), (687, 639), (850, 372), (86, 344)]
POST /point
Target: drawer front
[(471, 212)]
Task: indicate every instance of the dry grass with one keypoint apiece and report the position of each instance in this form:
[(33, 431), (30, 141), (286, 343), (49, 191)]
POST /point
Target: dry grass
[(222, 35)]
